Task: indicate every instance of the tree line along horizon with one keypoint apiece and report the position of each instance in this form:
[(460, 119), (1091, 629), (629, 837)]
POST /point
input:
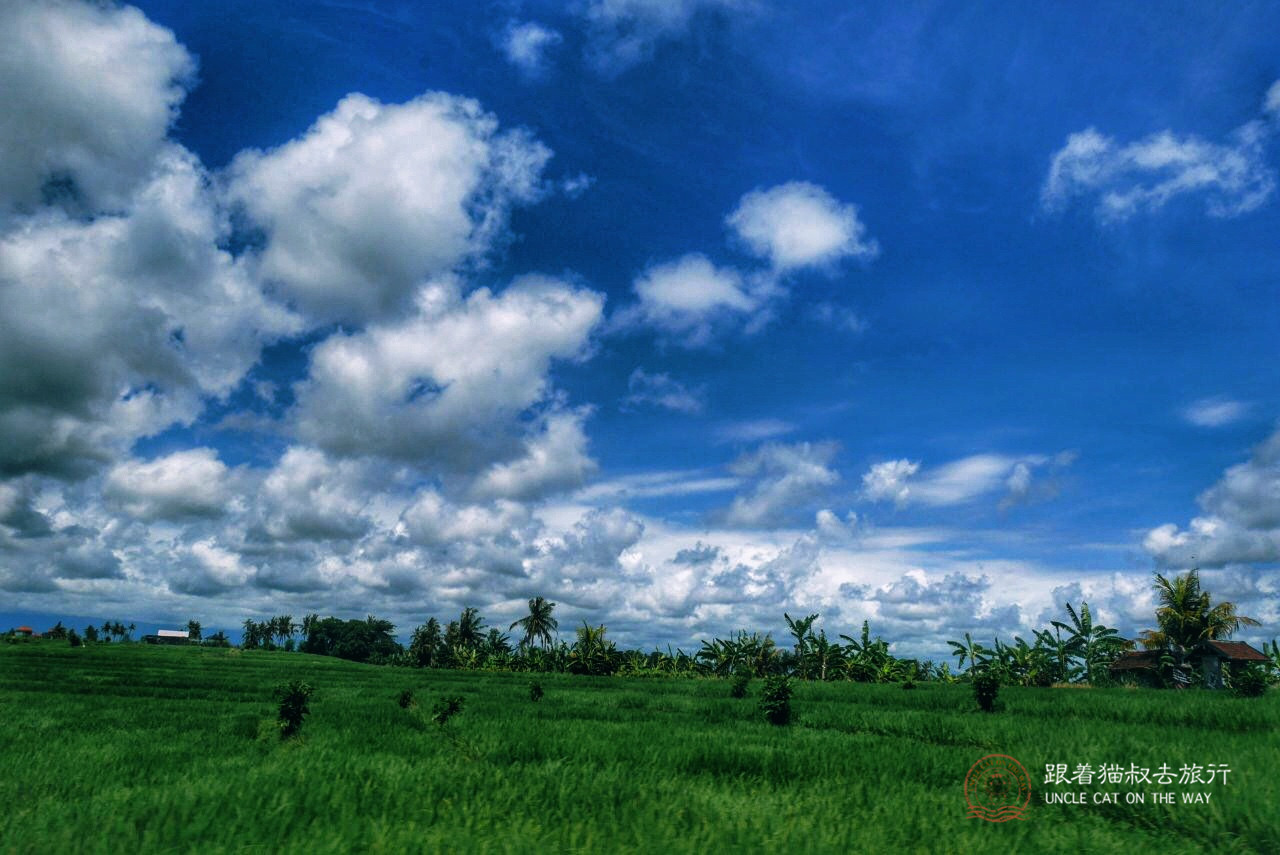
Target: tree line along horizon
[(1077, 650)]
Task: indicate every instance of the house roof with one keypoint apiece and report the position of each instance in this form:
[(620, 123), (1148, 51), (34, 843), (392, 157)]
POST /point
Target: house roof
[(1234, 651), (172, 633), (1136, 660), (25, 629)]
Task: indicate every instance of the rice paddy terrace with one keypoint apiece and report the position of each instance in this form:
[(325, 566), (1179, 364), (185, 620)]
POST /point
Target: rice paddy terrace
[(129, 747)]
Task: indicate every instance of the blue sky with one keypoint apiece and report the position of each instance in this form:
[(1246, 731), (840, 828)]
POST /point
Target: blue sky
[(680, 313)]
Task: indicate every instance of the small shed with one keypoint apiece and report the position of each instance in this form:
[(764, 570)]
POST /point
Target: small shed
[(1215, 656), (1138, 666), (169, 636), (25, 631)]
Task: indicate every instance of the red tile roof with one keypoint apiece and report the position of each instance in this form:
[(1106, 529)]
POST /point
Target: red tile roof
[(1236, 651), (25, 629)]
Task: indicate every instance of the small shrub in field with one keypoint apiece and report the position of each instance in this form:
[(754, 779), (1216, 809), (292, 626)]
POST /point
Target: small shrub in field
[(535, 691), (73, 638), (293, 697), (445, 709), (406, 699), (1250, 682), (985, 688), (741, 680), (908, 684), (775, 700)]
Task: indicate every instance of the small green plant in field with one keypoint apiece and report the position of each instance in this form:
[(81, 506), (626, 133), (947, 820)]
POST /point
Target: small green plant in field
[(406, 699), (293, 697), (986, 686), (741, 681), (445, 709), (1251, 682), (775, 700), (535, 691)]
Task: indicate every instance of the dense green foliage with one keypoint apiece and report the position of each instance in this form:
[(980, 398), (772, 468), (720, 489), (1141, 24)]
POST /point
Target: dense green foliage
[(1078, 650), (741, 680), (986, 687), (293, 708), (775, 699), (1251, 682), (445, 709), (131, 747)]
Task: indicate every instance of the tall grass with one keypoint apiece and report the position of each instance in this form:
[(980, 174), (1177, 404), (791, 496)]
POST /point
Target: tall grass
[(126, 747)]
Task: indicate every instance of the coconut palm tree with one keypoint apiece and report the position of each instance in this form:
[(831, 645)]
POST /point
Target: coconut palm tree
[(538, 624), (424, 648), (1186, 616), (470, 628)]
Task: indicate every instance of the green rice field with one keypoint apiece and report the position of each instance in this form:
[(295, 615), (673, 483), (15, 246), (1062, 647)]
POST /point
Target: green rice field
[(133, 748)]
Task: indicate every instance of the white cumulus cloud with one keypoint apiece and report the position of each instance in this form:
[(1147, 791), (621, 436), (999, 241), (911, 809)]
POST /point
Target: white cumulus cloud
[(781, 478), (445, 386), (1240, 522), (114, 327), (190, 483), (87, 94), (554, 459), (689, 298), (800, 224), (375, 197)]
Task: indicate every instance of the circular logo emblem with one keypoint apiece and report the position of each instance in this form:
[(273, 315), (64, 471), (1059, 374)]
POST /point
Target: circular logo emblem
[(997, 789)]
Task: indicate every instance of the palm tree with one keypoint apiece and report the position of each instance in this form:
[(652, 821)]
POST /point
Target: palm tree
[(1185, 616), (470, 627), (424, 647), (283, 627), (538, 624)]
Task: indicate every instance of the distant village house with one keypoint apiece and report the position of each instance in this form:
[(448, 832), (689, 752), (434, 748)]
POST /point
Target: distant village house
[(1211, 658), (168, 636)]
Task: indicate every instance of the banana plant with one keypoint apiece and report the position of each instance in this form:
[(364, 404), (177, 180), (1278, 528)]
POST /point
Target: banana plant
[(801, 630), (971, 650), (1096, 645), (824, 658)]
